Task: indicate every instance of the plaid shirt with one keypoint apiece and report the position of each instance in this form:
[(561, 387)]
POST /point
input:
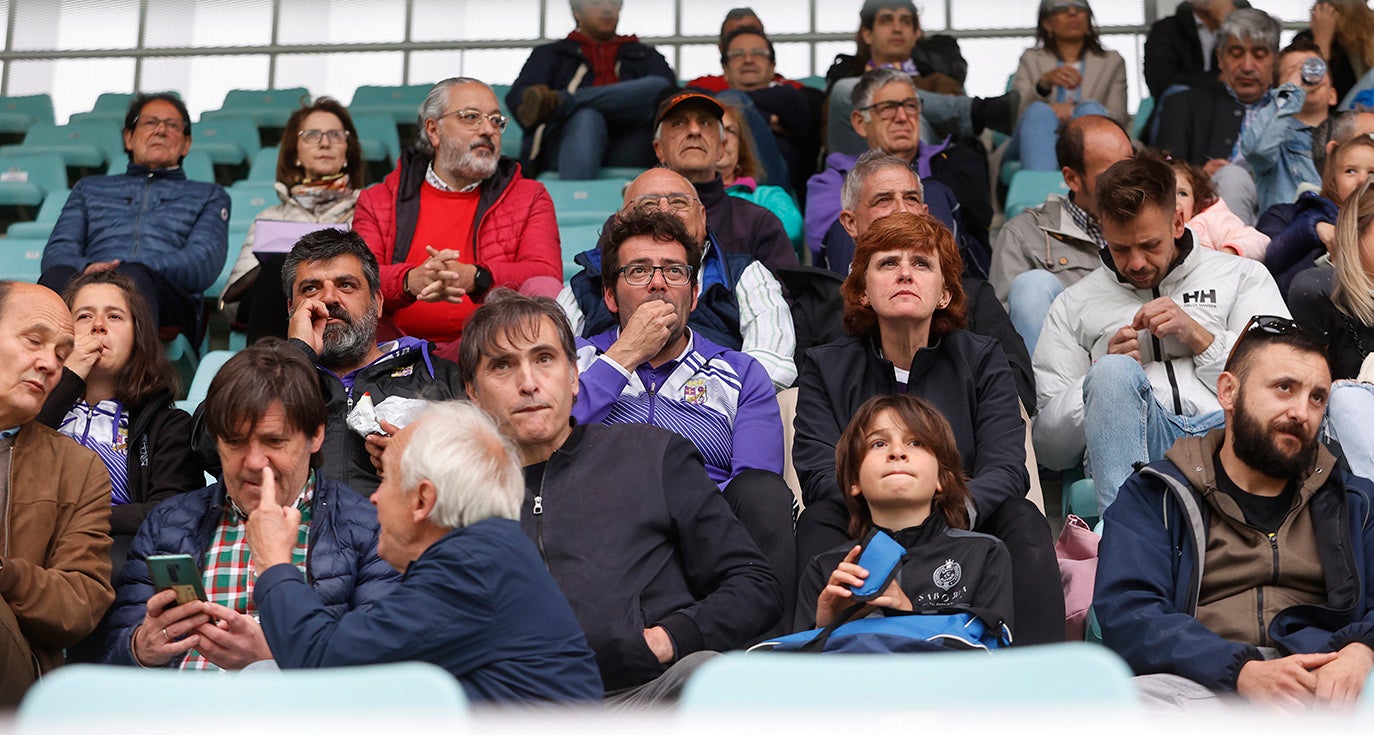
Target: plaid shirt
[(229, 575), (1085, 222)]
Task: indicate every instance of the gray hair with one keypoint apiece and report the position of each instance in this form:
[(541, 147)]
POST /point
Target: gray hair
[(476, 471), (870, 163), (658, 131), (874, 80), (434, 105), (1248, 24)]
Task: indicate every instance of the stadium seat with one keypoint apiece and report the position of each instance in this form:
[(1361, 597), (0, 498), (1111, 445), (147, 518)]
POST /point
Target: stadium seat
[(210, 364), (183, 356), (117, 102), (264, 167), (18, 114), (377, 135), (228, 138), (813, 82), (26, 178), (88, 696), (41, 227), (1030, 188), (610, 173), (82, 145), (585, 202), (872, 684), (269, 108), (1142, 115), (247, 199), (400, 102), (575, 239), (21, 259)]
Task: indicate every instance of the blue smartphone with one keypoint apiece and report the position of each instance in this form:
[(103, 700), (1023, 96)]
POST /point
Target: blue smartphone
[(882, 556), (177, 572)]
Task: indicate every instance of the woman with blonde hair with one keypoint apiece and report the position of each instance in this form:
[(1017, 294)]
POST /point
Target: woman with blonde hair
[(1344, 29)]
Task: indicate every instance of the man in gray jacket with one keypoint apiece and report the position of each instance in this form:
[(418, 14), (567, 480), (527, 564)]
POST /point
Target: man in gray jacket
[(1048, 248)]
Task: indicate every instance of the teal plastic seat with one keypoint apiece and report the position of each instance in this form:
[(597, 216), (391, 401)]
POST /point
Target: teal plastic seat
[(377, 135), (18, 114), (585, 202), (269, 108), (21, 259), (1030, 188), (89, 697), (813, 82), (1061, 677), (247, 199), (26, 178), (1142, 115), (228, 138), (264, 166), (81, 145), (401, 102), (41, 227), (576, 239), (210, 364), (117, 102)]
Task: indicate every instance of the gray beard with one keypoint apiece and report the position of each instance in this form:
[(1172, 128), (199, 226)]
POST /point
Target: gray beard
[(345, 345)]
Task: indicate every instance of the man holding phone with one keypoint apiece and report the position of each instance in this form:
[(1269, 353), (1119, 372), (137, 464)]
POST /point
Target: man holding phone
[(267, 418)]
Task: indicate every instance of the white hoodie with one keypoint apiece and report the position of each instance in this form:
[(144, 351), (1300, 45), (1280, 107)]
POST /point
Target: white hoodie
[(1219, 290)]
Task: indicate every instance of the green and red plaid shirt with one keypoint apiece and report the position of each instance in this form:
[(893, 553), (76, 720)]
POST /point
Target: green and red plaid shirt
[(229, 574)]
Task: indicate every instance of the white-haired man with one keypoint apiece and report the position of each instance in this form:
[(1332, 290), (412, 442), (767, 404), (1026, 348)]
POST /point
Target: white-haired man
[(448, 507)]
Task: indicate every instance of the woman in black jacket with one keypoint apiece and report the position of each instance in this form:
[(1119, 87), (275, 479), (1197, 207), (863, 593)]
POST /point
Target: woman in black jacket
[(905, 306), (115, 397)]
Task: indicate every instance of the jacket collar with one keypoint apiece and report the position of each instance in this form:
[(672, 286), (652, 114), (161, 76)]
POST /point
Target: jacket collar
[(711, 192), (171, 174), (1055, 220), (1193, 456)]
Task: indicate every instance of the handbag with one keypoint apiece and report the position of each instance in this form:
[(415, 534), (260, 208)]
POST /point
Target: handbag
[(1076, 551)]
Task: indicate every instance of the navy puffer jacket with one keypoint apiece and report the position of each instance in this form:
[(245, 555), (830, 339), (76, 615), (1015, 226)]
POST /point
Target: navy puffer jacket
[(342, 565)]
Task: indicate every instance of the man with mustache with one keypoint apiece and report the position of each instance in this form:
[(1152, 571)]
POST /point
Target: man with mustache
[(1203, 125), (1128, 357), (456, 219), (653, 368), (333, 291), (1239, 563)]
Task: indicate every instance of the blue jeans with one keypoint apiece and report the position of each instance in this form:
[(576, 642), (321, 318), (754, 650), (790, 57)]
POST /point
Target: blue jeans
[(1125, 424), (592, 113), (1032, 143), (1029, 300), (765, 145), (947, 113), (1347, 419)]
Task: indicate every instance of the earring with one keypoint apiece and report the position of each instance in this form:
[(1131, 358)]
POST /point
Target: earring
[(298, 163)]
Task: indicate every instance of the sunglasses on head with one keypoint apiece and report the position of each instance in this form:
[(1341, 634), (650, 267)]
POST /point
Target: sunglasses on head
[(1283, 325)]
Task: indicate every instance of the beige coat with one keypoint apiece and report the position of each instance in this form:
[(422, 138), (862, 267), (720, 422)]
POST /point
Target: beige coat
[(289, 211), (1104, 79)]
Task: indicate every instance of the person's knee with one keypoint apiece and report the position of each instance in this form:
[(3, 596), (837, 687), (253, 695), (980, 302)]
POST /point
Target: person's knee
[(1034, 288), (1039, 112), (1019, 524), (1114, 376)]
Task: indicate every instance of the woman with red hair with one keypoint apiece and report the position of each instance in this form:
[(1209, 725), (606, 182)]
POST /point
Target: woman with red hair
[(905, 309)]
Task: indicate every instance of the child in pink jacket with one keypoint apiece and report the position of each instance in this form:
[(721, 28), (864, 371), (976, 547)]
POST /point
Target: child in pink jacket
[(1213, 225)]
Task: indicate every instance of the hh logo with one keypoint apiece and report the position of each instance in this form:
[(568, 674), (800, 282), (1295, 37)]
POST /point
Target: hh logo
[(1201, 297)]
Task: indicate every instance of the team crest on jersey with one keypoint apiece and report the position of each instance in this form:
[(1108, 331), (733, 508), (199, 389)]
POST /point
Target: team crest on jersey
[(403, 372), (947, 575), (694, 391)]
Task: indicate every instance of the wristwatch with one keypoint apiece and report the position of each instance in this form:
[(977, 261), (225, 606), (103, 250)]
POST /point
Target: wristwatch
[(481, 281)]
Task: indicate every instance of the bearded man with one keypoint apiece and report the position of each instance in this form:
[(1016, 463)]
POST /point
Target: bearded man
[(334, 292), (1237, 567)]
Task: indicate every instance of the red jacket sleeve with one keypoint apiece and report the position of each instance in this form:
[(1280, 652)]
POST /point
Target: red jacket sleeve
[(520, 240), (375, 220)]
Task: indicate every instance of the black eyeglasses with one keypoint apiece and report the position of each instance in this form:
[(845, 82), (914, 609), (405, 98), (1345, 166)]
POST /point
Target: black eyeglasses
[(888, 110), (1283, 325), (676, 274)]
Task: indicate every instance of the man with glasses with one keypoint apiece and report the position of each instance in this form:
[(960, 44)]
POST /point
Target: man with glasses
[(653, 368), (1237, 566), (738, 303), (585, 101), (887, 114), (456, 219), (150, 223), (1129, 356)]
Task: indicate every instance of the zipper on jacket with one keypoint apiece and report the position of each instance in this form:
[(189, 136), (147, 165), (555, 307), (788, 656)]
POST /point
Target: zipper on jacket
[(653, 400), (1168, 366), (538, 513), (138, 221), (1259, 616)]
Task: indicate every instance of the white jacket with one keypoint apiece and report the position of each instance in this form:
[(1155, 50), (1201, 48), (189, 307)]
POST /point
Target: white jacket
[(1219, 290)]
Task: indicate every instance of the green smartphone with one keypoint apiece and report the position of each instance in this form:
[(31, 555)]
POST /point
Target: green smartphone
[(177, 572)]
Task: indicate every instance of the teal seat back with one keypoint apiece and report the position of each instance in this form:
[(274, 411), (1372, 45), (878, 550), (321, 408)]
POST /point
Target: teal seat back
[(1030, 188), (585, 202)]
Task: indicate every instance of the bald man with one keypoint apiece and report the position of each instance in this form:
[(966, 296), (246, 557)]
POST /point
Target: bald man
[(54, 501), (740, 305), (1048, 248)]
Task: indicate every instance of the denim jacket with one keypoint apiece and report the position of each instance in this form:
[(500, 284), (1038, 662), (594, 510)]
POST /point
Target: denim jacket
[(1278, 147)]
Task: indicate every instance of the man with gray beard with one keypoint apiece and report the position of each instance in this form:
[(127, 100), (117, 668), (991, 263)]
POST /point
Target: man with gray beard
[(456, 219), (334, 292)]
